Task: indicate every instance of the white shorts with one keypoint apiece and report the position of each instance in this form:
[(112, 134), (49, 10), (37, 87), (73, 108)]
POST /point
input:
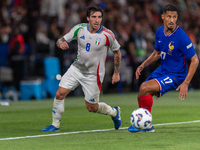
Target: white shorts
[(73, 78)]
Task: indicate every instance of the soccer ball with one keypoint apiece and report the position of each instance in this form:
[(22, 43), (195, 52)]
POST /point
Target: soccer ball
[(141, 118)]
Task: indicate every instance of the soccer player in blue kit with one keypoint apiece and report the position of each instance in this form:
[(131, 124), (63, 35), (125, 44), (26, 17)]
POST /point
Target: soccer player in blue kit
[(173, 47)]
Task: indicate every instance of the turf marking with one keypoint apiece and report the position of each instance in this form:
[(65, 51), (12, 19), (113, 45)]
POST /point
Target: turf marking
[(89, 131)]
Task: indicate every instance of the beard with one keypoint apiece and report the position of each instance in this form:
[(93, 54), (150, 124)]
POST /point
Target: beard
[(170, 28)]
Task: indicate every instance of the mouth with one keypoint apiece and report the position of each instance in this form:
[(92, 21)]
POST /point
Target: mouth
[(96, 25)]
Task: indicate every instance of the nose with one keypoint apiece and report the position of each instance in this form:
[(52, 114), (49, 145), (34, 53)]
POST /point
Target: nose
[(96, 19), (172, 19)]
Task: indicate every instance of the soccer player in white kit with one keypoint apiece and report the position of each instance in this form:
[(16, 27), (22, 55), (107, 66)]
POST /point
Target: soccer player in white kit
[(88, 70)]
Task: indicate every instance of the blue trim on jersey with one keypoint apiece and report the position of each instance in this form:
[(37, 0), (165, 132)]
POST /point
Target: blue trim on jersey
[(88, 27), (100, 29)]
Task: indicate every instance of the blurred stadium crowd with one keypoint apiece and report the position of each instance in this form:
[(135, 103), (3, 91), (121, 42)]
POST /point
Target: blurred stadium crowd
[(134, 23)]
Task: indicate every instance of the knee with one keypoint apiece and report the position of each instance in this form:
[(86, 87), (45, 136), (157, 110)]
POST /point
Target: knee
[(144, 89), (59, 95)]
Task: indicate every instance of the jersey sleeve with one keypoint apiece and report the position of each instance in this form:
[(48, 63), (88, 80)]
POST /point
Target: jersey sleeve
[(72, 34), (114, 45), (187, 47), (156, 45)]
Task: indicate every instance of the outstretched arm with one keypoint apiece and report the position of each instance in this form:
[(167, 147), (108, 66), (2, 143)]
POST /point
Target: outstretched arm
[(191, 71), (117, 64), (61, 43), (152, 58)]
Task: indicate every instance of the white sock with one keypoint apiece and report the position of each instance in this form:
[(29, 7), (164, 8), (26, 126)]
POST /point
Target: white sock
[(106, 109), (58, 110)]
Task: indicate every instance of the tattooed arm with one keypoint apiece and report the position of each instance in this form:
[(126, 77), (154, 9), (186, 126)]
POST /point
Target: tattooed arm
[(117, 64), (61, 43)]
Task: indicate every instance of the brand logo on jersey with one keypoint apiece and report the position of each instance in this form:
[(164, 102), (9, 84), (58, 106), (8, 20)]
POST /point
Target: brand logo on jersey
[(98, 40), (171, 47), (82, 37), (190, 45)]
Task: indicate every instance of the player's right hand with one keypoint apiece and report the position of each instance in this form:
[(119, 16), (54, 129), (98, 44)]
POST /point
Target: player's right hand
[(115, 78), (138, 71), (183, 90), (64, 45)]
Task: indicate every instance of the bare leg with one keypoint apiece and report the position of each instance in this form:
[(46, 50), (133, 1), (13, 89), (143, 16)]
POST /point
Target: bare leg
[(101, 108)]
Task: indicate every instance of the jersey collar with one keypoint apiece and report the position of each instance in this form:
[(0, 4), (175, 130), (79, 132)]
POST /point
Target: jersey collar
[(97, 31), (172, 32)]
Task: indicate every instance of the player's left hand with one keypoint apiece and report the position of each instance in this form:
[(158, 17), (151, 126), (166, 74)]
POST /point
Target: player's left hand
[(183, 90), (115, 78)]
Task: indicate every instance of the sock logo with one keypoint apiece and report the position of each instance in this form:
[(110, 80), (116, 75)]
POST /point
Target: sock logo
[(92, 100), (53, 111)]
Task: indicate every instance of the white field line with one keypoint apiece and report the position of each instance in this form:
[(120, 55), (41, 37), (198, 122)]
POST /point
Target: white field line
[(89, 131)]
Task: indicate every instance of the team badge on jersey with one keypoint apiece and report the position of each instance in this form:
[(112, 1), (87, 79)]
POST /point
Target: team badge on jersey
[(171, 47), (98, 40)]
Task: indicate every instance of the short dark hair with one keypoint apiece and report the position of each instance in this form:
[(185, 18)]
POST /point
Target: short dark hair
[(91, 9), (169, 7)]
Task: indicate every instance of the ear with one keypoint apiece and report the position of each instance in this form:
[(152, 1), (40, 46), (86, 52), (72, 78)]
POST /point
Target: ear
[(162, 16), (88, 19)]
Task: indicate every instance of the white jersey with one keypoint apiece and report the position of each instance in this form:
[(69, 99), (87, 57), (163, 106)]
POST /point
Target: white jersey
[(92, 48)]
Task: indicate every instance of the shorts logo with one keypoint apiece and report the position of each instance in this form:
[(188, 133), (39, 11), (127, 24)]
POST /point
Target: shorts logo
[(98, 40), (162, 82), (92, 100)]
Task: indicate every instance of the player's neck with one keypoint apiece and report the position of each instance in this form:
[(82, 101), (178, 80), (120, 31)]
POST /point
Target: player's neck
[(92, 30), (169, 31)]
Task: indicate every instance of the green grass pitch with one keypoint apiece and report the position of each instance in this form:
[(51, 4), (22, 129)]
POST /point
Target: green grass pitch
[(21, 122)]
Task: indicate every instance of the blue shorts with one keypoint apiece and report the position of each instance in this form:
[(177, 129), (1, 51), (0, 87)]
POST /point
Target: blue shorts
[(166, 82)]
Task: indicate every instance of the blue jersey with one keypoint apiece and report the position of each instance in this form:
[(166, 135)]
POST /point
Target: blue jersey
[(175, 49)]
